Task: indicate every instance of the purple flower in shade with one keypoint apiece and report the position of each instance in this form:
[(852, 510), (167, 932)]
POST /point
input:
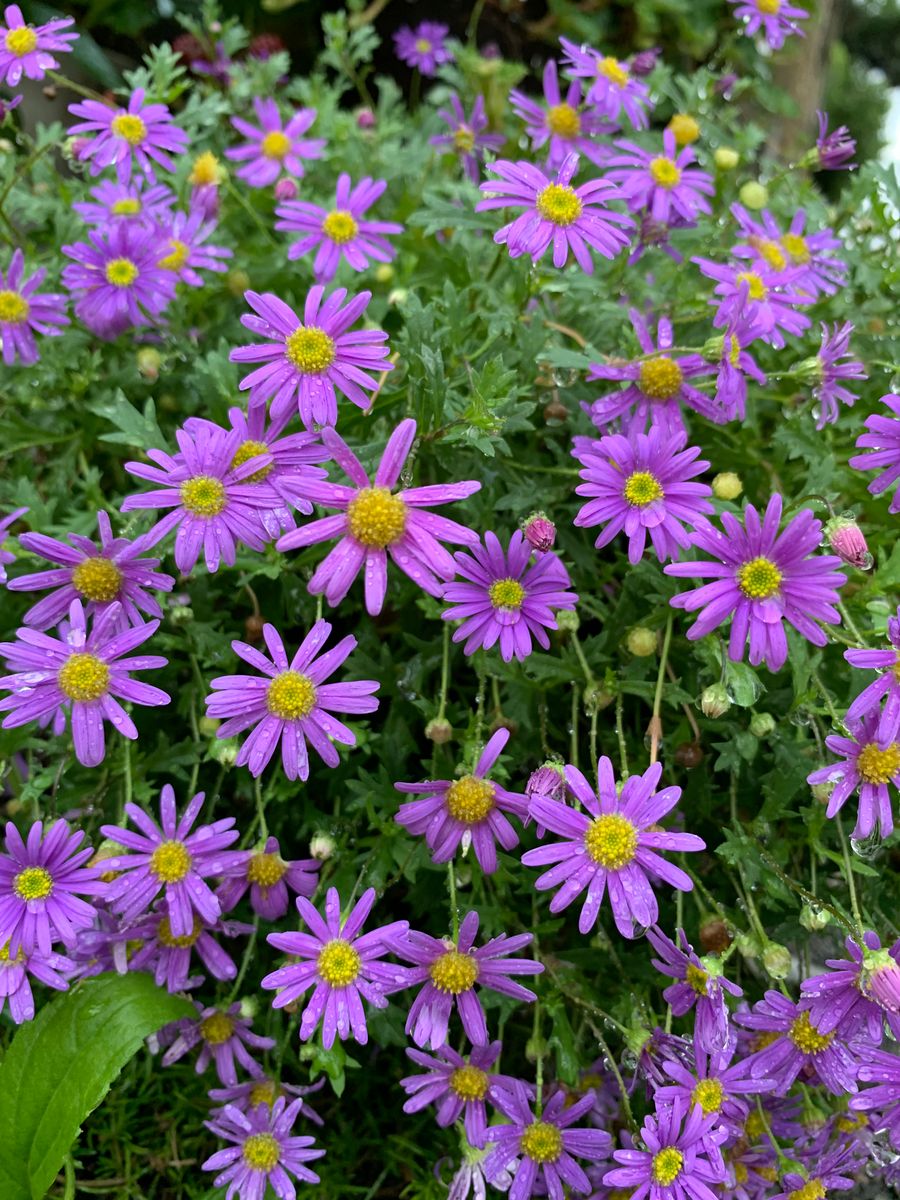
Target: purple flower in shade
[(113, 573), (24, 311), (543, 1146), (341, 964), (882, 1068), (450, 971), (665, 184), (290, 702), (654, 235), (469, 809), (776, 18), (340, 232), (131, 139), (797, 1045), (681, 1158), (467, 137), (642, 485), (836, 1170), (263, 1151), (7, 556), (52, 970), (698, 982), (507, 598), (885, 686), (136, 202), (458, 1086), (883, 445), (469, 1178), (735, 363), (762, 578), (835, 149), (717, 1085), (206, 177), (424, 47), (26, 49), (577, 219), (854, 995), (275, 146), (612, 89), (216, 506), (559, 123), (268, 876), (170, 858), (86, 673), (374, 521), (766, 297), (265, 1091), (167, 956), (309, 361), (224, 1037), (871, 762), (116, 278), (657, 385), (807, 261), (185, 252), (612, 844)]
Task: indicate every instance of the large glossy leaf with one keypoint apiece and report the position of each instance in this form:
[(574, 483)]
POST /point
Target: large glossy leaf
[(60, 1066)]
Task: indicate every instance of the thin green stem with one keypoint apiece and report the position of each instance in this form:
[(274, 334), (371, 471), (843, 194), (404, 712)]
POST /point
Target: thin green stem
[(614, 1067), (454, 910), (539, 1060), (63, 81), (656, 720), (579, 652), (445, 672), (26, 166), (620, 735), (826, 696), (851, 882), (849, 622), (245, 962), (573, 731), (260, 809)]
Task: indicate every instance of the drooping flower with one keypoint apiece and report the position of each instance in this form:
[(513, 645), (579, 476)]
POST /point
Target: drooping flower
[(28, 49), (185, 252), (871, 762), (268, 876), (735, 362), (224, 1037), (882, 444), (264, 1151), (506, 598), (882, 1068), (848, 998), (341, 964), (7, 556), (681, 1159), (699, 985), (274, 146), (290, 703), (24, 311), (885, 686), (342, 232), (806, 260), (450, 971), (776, 18), (560, 124), (768, 298), (467, 135), (113, 573), (611, 843), (139, 137), (571, 219), (266, 1090), (424, 47), (374, 521), (309, 361), (116, 203), (52, 970), (611, 86), (458, 1086), (835, 148), (642, 486), (86, 674), (665, 184), (167, 956), (762, 578), (835, 1170), (798, 1045)]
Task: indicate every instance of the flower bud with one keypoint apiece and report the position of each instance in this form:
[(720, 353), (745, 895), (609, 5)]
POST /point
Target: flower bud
[(253, 628), (762, 724), (848, 542), (322, 845), (384, 272), (713, 349), (556, 411), (536, 1047), (644, 62), (754, 195), (715, 701), (689, 755), (727, 486), (777, 960), (238, 281), (540, 532), (821, 792), (548, 780), (726, 159), (365, 119), (225, 752), (181, 614), (597, 697), (714, 936), (249, 1007), (439, 730), (286, 189), (398, 296), (641, 641), (208, 726), (814, 919), (884, 979), (568, 620), (685, 128), (149, 360), (748, 945)]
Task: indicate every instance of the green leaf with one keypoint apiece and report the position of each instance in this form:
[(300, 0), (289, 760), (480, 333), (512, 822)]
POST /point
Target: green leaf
[(60, 1066)]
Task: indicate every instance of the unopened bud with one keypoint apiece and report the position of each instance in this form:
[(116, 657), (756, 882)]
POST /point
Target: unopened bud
[(181, 614), (225, 752), (556, 411), (848, 542), (884, 979), (439, 730), (398, 296), (727, 486), (714, 936), (641, 641), (726, 158), (821, 792), (540, 532), (548, 780), (685, 128), (754, 195), (715, 701), (384, 272), (286, 189), (814, 919), (762, 724), (148, 363), (748, 945), (644, 62), (597, 697), (208, 726), (535, 1048), (689, 755), (253, 628), (322, 845), (238, 281), (365, 118), (777, 960), (249, 1007), (568, 620), (713, 349)]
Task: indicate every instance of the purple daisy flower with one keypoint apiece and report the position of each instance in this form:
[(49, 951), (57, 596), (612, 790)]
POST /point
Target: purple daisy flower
[(612, 844), (343, 965), (854, 995), (883, 445), (871, 762), (577, 219), (768, 299), (224, 1037), (113, 573), (274, 146), (206, 177), (735, 362), (807, 260), (450, 971), (216, 506), (657, 385), (41, 882), (882, 1068), (507, 598), (467, 810), (717, 1086), (798, 1045), (167, 956), (24, 312), (140, 202), (85, 674), (266, 1090), (560, 124), (309, 361), (641, 485), (665, 184), (836, 1170), (26, 49), (185, 254), (424, 47), (776, 18), (543, 1145), (170, 857), (268, 876), (681, 1159), (51, 970), (374, 521), (887, 684), (290, 702), (835, 149), (762, 578), (699, 984), (7, 556), (131, 139), (467, 137), (341, 232), (614, 91), (458, 1086), (263, 1153), (116, 278)]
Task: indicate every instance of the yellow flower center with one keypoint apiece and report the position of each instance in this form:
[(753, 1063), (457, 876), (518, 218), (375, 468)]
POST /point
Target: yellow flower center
[(338, 963), (340, 226), (469, 799), (558, 204), (664, 172), (206, 170), (261, 1152), (217, 1029), (506, 593), (177, 256), (469, 1083), (741, 1174), (423, 45), (170, 862), (34, 883), (731, 347), (796, 247), (697, 978), (685, 128), (611, 841), (165, 935), (660, 378), (275, 144), (878, 766), (21, 41), (541, 1142), (454, 972), (806, 1037), (896, 669), (753, 1126), (246, 451), (771, 251), (310, 350), (848, 1124), (667, 1165), (709, 1094), (291, 696), (6, 961), (14, 309), (376, 518), (755, 286), (813, 1189), (97, 578), (769, 7), (83, 677), (563, 121), (263, 1092), (642, 488), (613, 70), (203, 496), (121, 272), (770, 1174), (129, 207), (464, 139), (759, 578), (266, 869), (129, 127)]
